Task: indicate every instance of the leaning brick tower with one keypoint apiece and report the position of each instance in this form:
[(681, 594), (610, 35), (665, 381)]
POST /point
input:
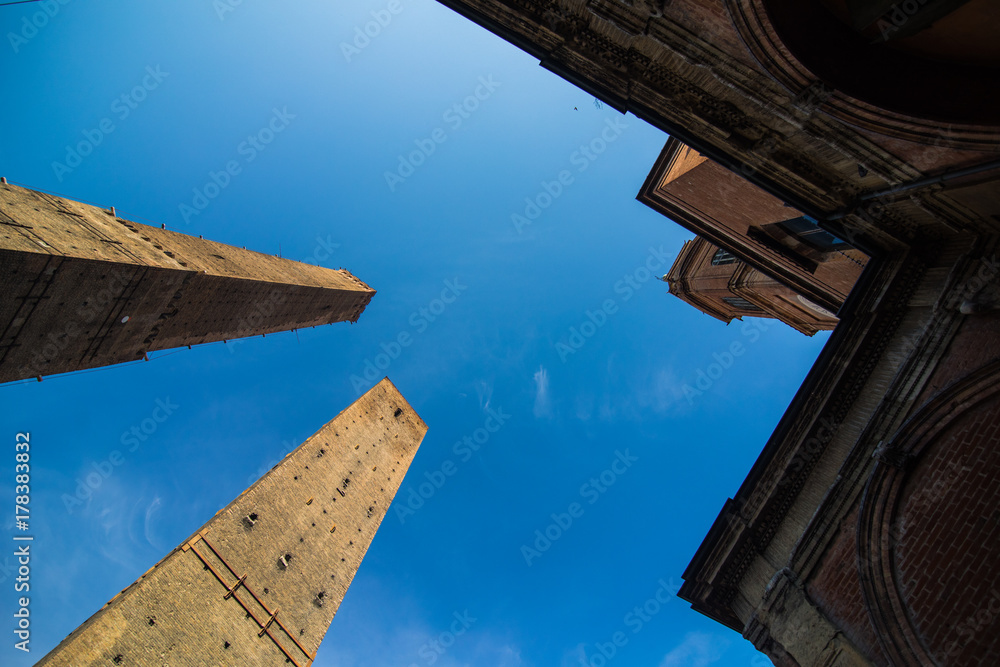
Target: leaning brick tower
[(260, 582), (84, 288)]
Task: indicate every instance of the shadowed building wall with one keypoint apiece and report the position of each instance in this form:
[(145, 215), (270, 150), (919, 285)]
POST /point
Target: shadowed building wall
[(84, 288), (866, 533), (260, 582)]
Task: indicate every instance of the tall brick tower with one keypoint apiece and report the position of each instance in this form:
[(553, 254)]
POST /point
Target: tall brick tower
[(260, 582), (83, 288)]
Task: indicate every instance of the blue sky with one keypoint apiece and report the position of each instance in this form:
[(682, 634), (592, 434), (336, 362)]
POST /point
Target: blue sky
[(555, 323)]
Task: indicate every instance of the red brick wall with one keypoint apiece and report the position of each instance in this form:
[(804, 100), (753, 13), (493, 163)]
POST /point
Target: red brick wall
[(714, 24), (948, 554), (947, 529), (836, 590), (976, 344)]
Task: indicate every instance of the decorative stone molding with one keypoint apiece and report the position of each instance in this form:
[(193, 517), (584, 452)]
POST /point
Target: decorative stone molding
[(786, 618)]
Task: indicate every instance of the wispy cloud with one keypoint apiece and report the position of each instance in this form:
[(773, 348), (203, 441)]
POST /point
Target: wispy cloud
[(411, 636), (699, 649), (484, 390), (147, 533), (509, 656), (633, 397), (658, 391), (543, 401)]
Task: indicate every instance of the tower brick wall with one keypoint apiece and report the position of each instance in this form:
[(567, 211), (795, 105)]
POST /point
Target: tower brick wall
[(260, 582), (84, 288)]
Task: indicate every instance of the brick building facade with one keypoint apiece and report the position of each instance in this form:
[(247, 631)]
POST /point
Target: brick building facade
[(754, 226), (867, 530), (260, 582), (85, 288), (718, 284)]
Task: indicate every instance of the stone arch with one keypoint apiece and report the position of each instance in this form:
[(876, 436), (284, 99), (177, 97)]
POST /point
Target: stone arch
[(818, 58), (912, 484)]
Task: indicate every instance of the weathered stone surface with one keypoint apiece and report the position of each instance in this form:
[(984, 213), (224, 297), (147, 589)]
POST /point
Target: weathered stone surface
[(298, 536), (83, 288)]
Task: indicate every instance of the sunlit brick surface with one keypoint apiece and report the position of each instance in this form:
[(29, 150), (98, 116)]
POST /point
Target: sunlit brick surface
[(298, 534)]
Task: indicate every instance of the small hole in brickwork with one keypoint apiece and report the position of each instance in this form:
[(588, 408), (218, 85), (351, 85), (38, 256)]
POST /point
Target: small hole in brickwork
[(118, 659), (226, 645), (321, 453), (151, 620), (296, 477), (267, 591), (398, 412)]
